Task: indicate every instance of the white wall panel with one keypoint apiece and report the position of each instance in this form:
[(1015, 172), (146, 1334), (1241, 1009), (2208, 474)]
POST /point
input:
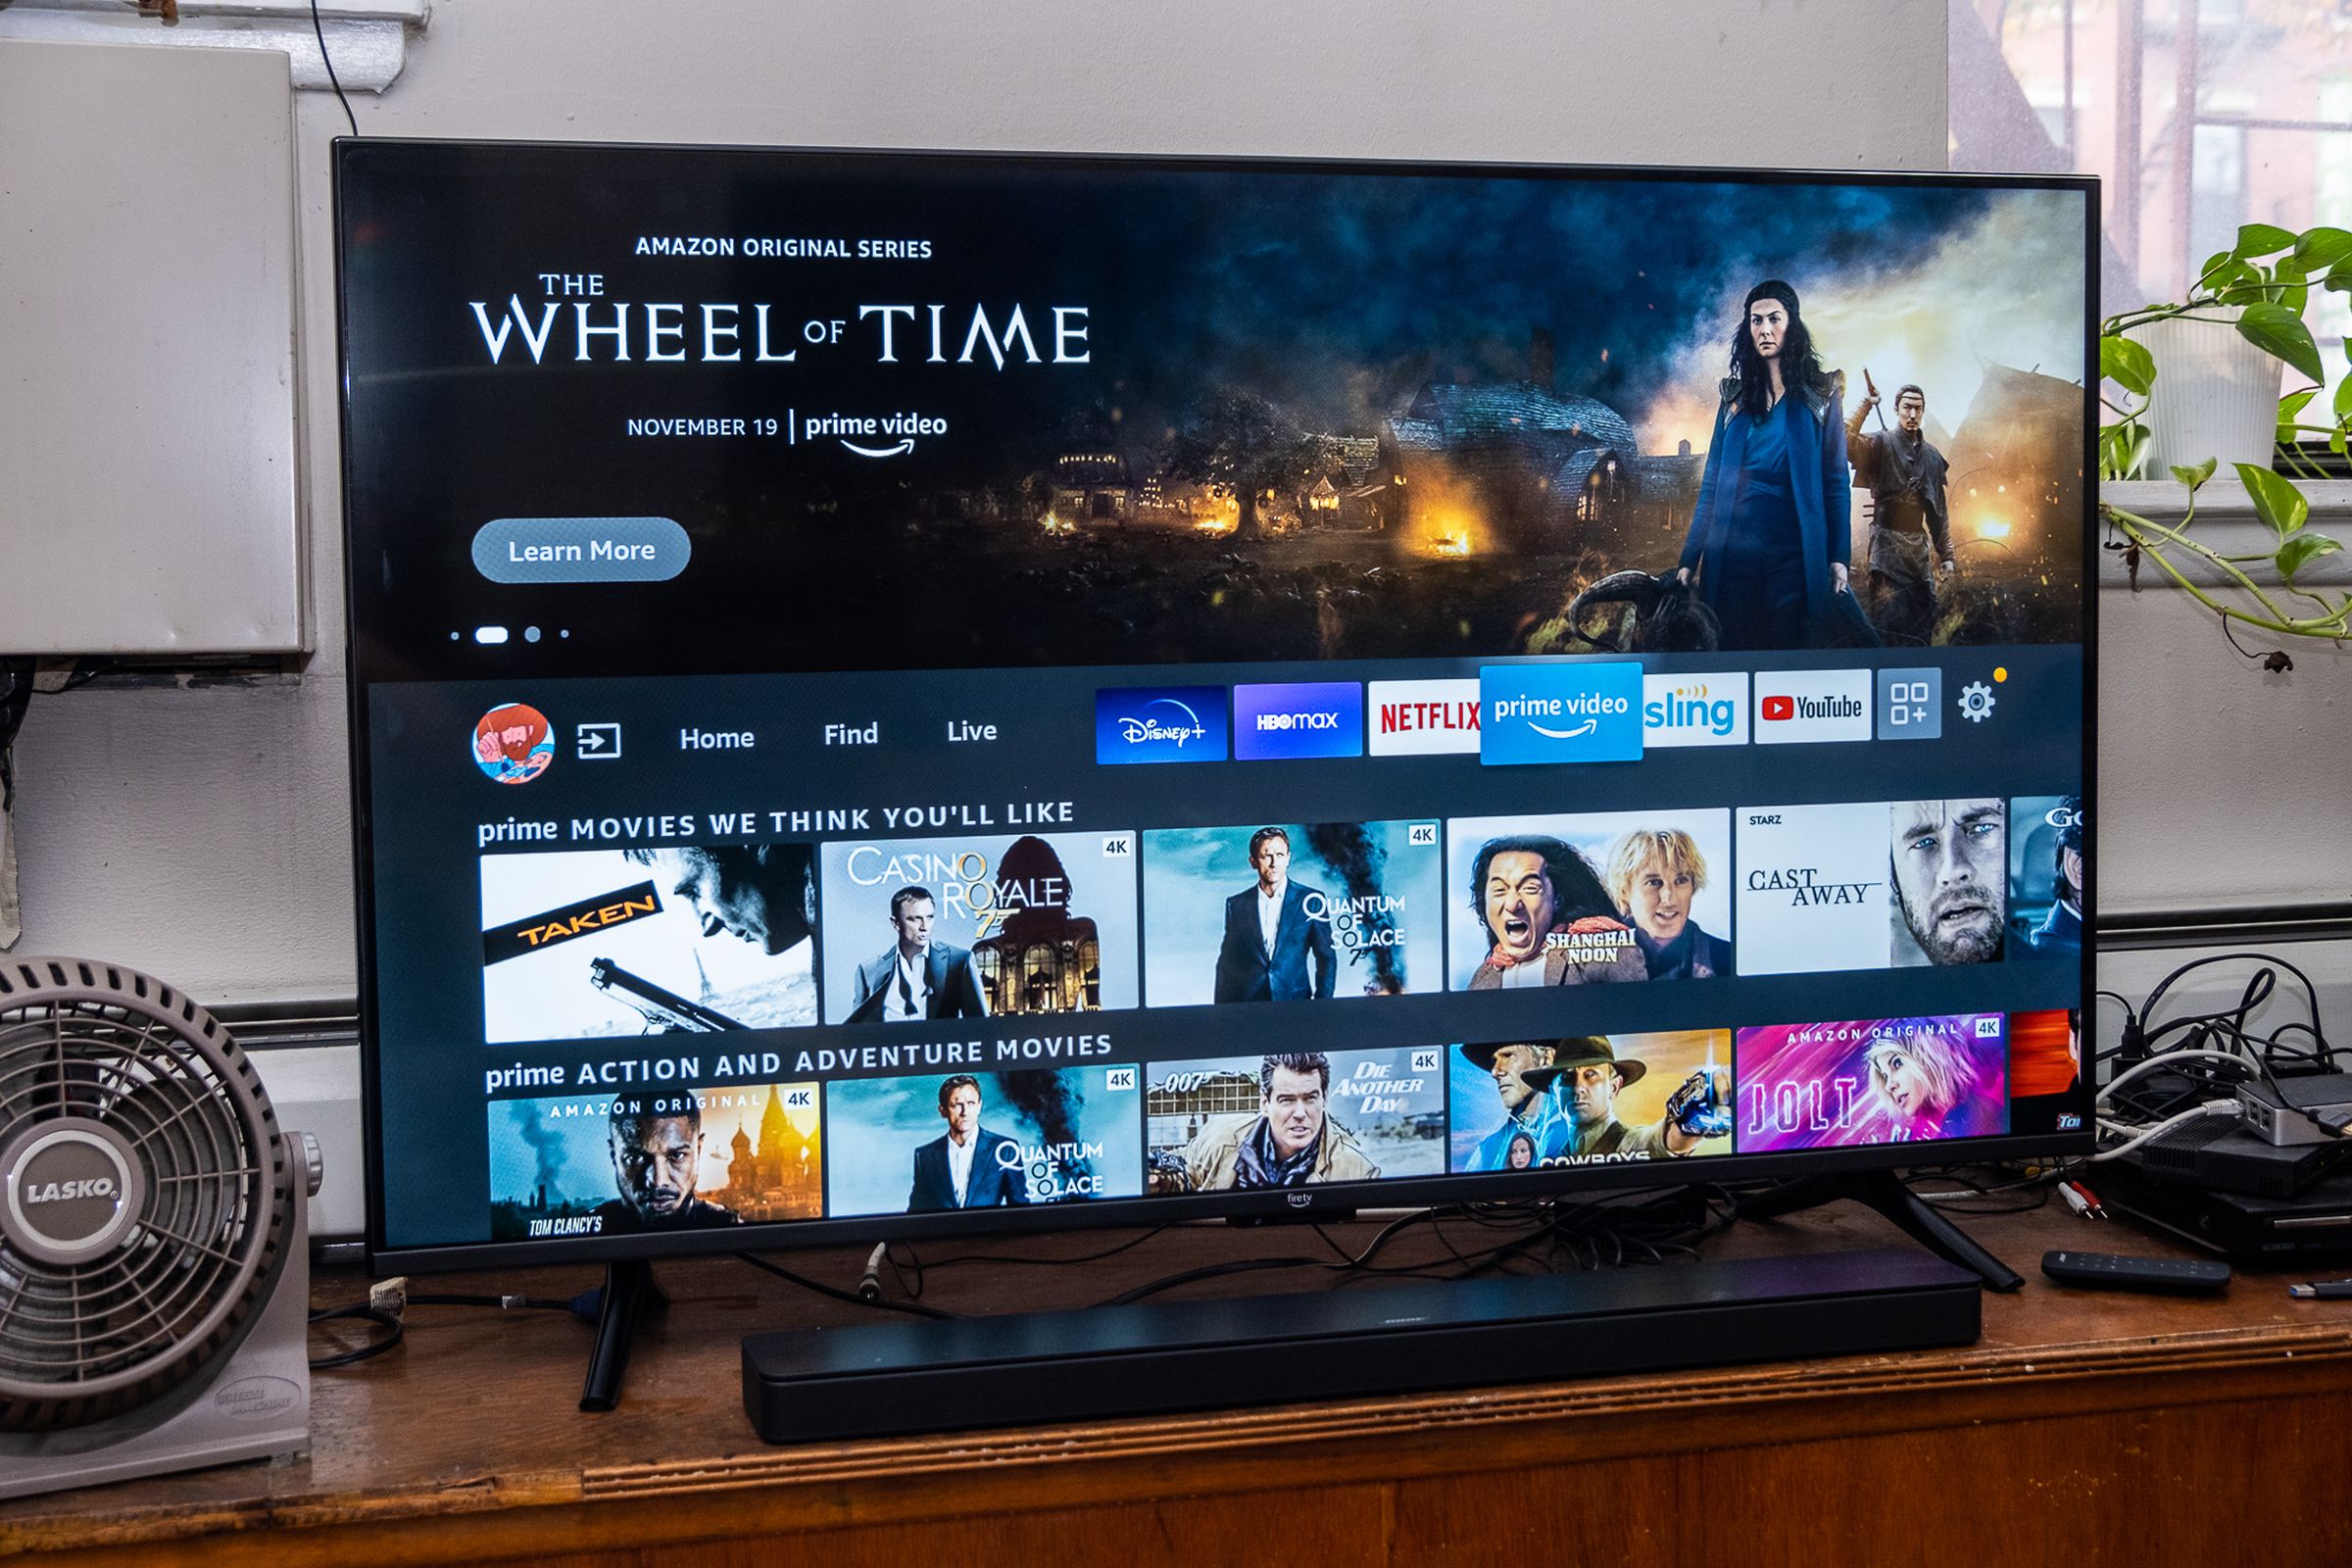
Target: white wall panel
[(148, 498)]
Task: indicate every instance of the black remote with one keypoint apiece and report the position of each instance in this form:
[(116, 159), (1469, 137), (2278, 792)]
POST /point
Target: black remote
[(2113, 1272)]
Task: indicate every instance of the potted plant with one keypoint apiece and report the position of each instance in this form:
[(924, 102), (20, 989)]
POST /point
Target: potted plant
[(2253, 296)]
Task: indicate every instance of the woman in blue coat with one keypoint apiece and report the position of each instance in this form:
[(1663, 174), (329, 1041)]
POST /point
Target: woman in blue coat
[(1768, 536)]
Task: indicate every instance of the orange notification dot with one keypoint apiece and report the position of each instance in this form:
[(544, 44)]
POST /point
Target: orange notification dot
[(2000, 672)]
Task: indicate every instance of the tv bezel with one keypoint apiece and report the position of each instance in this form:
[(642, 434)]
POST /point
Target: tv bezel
[(1315, 1204)]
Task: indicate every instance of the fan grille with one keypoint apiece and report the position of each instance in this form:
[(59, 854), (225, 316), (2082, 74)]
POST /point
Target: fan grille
[(115, 1053)]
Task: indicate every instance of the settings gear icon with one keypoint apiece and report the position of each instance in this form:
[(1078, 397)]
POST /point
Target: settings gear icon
[(1976, 701)]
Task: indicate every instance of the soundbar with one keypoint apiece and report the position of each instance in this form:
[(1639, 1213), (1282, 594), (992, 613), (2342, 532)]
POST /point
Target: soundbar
[(889, 1379)]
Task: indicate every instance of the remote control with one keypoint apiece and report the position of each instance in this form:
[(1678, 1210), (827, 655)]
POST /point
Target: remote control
[(2113, 1272)]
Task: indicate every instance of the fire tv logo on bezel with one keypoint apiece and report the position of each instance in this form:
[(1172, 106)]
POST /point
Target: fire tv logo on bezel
[(1812, 705)]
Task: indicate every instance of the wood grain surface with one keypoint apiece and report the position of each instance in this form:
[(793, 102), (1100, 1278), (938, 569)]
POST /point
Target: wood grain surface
[(2084, 1426)]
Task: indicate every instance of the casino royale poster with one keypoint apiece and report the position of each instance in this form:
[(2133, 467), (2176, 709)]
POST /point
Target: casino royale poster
[(1223, 414)]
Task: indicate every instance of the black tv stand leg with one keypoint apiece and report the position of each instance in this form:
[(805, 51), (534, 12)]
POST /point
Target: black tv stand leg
[(1913, 1214), (630, 1296)]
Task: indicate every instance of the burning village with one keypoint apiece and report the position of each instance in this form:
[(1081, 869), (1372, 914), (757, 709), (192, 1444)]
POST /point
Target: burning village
[(1433, 480)]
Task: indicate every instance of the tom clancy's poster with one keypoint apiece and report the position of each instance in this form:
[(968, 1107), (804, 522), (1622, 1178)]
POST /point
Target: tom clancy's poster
[(2047, 870), (1293, 1119), (583, 943), (970, 927), (1600, 897), (1812, 887), (669, 1161), (957, 1140), (1292, 912), (1589, 1100), (1217, 414), (1871, 1081)]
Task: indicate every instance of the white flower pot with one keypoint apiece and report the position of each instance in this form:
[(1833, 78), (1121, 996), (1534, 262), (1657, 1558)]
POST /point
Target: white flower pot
[(2217, 395)]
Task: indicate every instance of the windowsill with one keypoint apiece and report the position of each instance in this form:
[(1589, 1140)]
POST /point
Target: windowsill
[(2225, 522), (367, 39)]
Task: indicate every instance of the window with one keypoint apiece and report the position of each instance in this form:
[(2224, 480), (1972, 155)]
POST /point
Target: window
[(2198, 115)]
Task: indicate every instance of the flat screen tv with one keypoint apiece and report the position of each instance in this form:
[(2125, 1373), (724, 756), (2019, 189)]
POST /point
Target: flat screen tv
[(903, 694)]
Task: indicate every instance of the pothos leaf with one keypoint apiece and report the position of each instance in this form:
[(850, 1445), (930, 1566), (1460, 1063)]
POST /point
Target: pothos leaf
[(2275, 501), (2321, 248), (2127, 364), (2262, 239), (2301, 550), (2279, 333)]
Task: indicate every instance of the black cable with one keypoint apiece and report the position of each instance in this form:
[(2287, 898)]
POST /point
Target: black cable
[(324, 59), (991, 1257), (16, 696), (2297, 1046), (382, 1317), (391, 1319), (2143, 1038), (1594, 1234), (2264, 978), (1974, 1193), (539, 1303), (882, 1303), (1237, 1265), (898, 1272)]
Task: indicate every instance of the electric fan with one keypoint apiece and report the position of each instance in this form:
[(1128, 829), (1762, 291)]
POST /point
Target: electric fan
[(154, 1275)]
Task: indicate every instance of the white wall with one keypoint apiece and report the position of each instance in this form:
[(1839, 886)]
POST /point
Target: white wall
[(203, 834), (2221, 785)]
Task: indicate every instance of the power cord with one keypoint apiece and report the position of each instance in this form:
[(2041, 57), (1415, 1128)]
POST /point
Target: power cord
[(386, 1310), (326, 60), (2186, 1067), (1550, 1236), (1547, 1236), (853, 1297)]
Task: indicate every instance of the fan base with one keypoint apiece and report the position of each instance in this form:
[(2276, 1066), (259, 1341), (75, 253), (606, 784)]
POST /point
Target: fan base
[(255, 1406)]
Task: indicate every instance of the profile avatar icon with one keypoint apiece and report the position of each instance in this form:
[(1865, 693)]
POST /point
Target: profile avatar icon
[(513, 743)]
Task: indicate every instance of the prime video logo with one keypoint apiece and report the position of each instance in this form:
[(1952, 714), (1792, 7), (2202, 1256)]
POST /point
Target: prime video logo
[(1565, 710)]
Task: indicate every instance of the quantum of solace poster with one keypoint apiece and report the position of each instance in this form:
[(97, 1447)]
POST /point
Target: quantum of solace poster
[(1215, 415)]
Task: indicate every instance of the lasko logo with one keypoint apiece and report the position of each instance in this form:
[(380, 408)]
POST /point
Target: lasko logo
[(1709, 710), (1317, 719), (64, 1192), (1159, 725), (1423, 718), (1564, 713), (1812, 705)]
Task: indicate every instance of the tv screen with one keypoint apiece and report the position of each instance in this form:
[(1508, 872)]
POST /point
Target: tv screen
[(896, 693)]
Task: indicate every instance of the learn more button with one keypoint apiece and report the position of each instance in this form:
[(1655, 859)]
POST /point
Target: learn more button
[(580, 549)]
